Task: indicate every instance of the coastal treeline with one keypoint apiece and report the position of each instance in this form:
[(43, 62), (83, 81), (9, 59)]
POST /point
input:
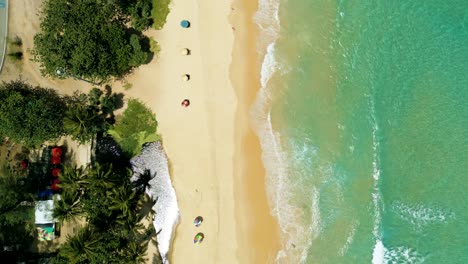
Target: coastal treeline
[(101, 194), (16, 213), (32, 115), (111, 205), (94, 40)]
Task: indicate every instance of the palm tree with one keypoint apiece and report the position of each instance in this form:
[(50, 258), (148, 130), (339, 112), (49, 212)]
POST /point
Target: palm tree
[(81, 247), (136, 252), (103, 176), (81, 123), (130, 226), (123, 199), (143, 180), (67, 207), (73, 179)]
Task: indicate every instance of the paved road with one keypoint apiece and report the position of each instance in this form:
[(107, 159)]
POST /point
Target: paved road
[(3, 30)]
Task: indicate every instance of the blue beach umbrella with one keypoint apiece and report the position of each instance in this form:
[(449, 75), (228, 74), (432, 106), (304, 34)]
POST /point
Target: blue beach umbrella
[(185, 23), (198, 221)]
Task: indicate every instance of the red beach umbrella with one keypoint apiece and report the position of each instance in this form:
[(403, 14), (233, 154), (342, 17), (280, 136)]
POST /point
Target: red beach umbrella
[(185, 103), (55, 172), (56, 152), (54, 185), (55, 160)]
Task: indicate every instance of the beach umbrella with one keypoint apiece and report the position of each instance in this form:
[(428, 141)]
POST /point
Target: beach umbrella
[(185, 23), (185, 103), (54, 185), (186, 77), (198, 221), (185, 51), (55, 172), (56, 152), (198, 238), (55, 160)]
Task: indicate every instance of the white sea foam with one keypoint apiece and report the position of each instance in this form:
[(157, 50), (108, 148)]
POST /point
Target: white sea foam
[(379, 253), (402, 254), (420, 216), (296, 237), (395, 255), (267, 19), (349, 239), (154, 159), (269, 65), (379, 249)]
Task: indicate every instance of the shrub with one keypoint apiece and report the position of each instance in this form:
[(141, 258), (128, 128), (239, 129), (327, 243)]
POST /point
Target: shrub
[(160, 12), (154, 47), (136, 126), (139, 56)]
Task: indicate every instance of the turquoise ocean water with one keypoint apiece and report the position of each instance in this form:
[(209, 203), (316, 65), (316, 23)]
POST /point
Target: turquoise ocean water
[(363, 120)]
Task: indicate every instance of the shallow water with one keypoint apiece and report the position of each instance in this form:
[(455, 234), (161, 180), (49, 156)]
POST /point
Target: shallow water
[(363, 118)]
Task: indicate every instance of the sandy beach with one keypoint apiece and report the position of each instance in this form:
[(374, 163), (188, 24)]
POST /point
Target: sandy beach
[(23, 21), (215, 157)]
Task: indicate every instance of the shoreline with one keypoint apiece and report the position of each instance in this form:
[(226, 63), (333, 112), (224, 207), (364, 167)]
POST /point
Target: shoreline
[(260, 234)]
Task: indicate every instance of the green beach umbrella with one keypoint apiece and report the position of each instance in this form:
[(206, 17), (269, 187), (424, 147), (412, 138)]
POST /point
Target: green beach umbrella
[(198, 238)]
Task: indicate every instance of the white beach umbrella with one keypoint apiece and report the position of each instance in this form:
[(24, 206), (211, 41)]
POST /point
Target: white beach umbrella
[(185, 51)]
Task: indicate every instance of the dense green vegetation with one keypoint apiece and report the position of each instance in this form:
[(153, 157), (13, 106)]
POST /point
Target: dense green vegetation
[(101, 193), (33, 115), (139, 11), (106, 198), (111, 44), (92, 40), (136, 126), (146, 13), (16, 212), (30, 114), (76, 45), (89, 115)]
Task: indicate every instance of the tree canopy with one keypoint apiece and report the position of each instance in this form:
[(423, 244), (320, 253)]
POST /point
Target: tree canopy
[(16, 214), (140, 12), (30, 114), (108, 200), (89, 114), (86, 39)]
